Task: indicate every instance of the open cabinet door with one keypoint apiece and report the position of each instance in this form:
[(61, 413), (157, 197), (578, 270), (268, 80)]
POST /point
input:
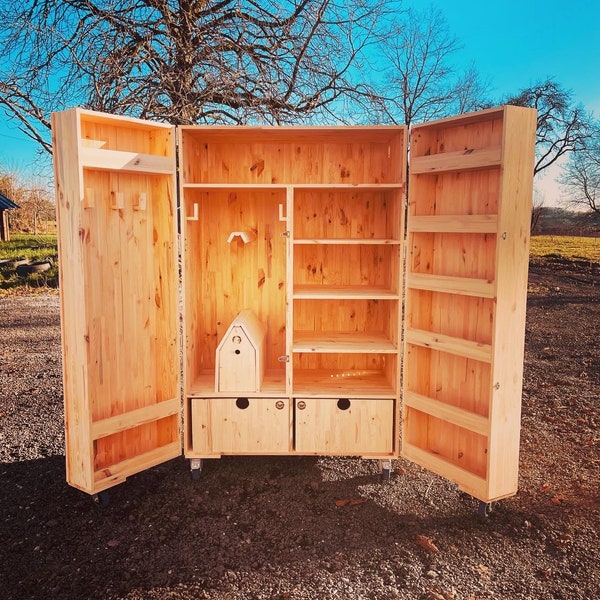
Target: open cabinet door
[(115, 194), (468, 226)]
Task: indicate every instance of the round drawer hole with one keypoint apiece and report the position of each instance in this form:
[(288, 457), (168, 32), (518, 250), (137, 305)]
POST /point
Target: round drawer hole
[(242, 403), (343, 404)]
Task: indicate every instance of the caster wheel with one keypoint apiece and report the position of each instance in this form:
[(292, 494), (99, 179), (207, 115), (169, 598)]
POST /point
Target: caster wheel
[(195, 468), (484, 509), (101, 499)]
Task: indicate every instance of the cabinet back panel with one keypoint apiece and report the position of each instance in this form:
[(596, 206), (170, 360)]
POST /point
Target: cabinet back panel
[(131, 305), (339, 156), (454, 254), (358, 214), (455, 193), (223, 278), (347, 265), (456, 136), (465, 317), (458, 446), (110, 135), (369, 316), (455, 380)]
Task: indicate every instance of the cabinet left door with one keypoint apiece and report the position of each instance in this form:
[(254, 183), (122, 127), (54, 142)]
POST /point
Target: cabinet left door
[(118, 263)]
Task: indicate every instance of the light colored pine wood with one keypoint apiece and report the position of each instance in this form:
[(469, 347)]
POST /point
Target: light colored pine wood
[(365, 427), (340, 342), (238, 426), (467, 286), (454, 223), (452, 345), (462, 160)]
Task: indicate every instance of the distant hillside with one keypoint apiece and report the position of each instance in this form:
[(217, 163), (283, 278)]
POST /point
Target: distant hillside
[(558, 221)]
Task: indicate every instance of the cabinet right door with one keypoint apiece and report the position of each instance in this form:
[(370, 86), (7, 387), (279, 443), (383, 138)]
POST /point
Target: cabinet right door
[(469, 211)]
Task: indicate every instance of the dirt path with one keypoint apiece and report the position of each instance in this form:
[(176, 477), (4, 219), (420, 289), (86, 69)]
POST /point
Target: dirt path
[(273, 528)]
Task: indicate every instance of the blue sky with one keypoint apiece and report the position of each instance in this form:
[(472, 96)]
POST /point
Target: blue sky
[(514, 43)]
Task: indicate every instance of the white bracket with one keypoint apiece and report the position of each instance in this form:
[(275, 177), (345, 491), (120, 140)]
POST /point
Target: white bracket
[(245, 236)]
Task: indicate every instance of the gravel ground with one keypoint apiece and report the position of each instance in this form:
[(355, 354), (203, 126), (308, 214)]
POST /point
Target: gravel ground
[(315, 528)]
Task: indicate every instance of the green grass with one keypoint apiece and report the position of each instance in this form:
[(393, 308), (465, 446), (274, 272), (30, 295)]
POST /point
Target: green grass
[(568, 247), (34, 248)]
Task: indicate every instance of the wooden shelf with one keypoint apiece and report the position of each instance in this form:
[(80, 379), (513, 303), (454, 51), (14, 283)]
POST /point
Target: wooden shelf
[(334, 342), (348, 241), (463, 160), (446, 412), (317, 383), (126, 162), (453, 224), (468, 482), (342, 292), (451, 345), (203, 386), (464, 286)]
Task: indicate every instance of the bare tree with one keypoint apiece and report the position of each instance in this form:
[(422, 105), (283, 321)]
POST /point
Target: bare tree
[(186, 61), (537, 208), (417, 52), (581, 176), (562, 126)]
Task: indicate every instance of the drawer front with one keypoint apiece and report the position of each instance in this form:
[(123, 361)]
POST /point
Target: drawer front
[(344, 426), (241, 425)]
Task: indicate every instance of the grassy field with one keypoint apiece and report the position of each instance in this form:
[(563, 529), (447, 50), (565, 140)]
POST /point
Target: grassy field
[(34, 248), (42, 247), (569, 247)]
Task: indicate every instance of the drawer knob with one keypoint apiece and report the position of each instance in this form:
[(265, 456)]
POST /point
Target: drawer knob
[(301, 405)]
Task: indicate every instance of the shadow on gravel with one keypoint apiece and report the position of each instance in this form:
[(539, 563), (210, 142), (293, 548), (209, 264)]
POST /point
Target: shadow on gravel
[(246, 515)]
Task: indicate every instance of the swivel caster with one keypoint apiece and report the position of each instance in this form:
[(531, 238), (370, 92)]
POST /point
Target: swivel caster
[(385, 467), (101, 499), (195, 468), (484, 509)]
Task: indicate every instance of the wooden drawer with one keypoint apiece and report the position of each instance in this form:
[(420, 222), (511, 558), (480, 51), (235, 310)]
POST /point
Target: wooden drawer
[(240, 425), (344, 426)]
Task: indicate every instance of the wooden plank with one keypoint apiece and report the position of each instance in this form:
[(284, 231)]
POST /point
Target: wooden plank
[(468, 482), (346, 426), (129, 162), (466, 286), (343, 342), (471, 158), (249, 425), (452, 345), (512, 259), (133, 418), (118, 472), (348, 241), (446, 412), (333, 292), (453, 223), (325, 383)]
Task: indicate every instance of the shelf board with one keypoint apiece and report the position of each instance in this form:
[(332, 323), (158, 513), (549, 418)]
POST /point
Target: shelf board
[(126, 162), (469, 482), (318, 187), (446, 412), (469, 158), (463, 286), (334, 342), (317, 383), (453, 224), (449, 344), (343, 292), (203, 386), (349, 241)]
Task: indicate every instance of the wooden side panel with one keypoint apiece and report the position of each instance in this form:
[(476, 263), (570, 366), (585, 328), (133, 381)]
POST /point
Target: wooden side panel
[(511, 298), (79, 459), (468, 227), (119, 285), (344, 426)]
